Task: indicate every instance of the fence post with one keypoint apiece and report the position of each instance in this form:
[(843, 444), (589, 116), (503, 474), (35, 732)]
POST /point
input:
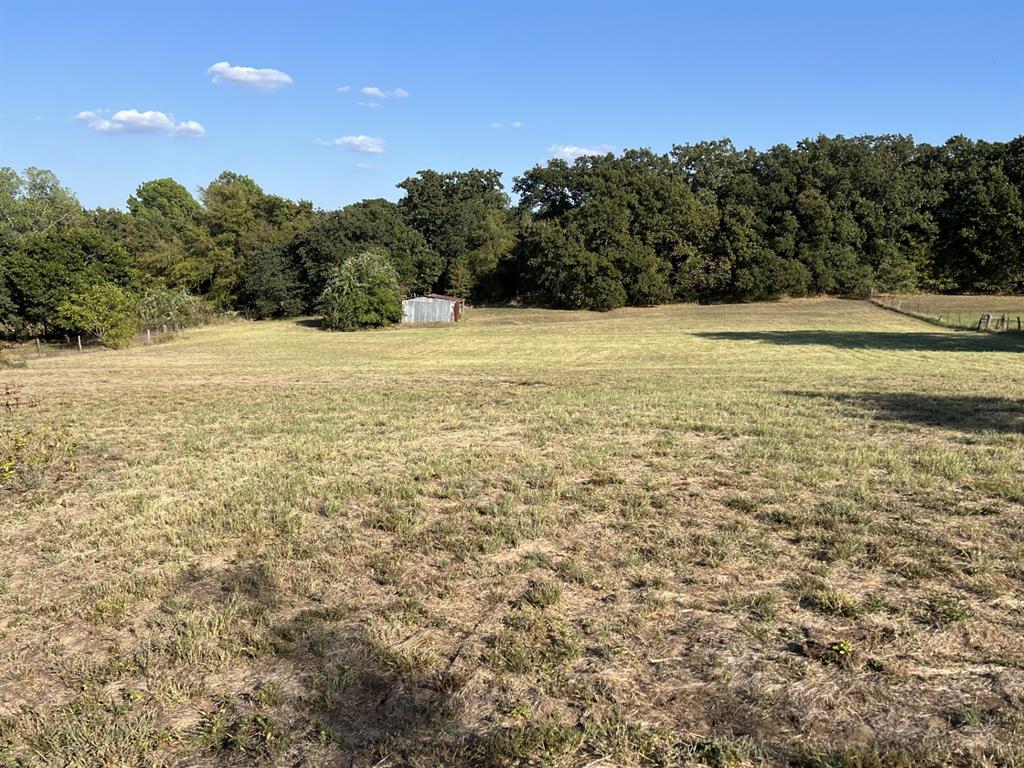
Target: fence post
[(79, 343), (149, 339), (39, 347)]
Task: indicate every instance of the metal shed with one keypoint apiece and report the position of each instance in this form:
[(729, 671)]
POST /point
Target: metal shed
[(432, 308)]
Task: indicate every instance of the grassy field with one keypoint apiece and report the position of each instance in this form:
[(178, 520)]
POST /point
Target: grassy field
[(728, 535), (959, 310)]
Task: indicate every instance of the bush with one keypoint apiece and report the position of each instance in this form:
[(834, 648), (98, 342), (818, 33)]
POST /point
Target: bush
[(362, 293), (104, 311), (160, 305), (28, 456)]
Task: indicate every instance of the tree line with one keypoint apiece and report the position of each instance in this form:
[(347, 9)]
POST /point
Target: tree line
[(703, 222)]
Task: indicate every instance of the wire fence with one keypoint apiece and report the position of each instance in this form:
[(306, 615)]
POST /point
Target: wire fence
[(19, 354), (953, 317)]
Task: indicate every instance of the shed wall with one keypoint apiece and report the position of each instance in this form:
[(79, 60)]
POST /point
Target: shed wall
[(426, 310)]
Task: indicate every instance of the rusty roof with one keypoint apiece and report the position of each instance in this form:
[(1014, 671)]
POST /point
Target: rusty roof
[(442, 296)]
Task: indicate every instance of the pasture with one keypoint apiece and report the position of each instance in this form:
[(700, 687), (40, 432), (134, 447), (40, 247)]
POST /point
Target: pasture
[(730, 535), (962, 311)]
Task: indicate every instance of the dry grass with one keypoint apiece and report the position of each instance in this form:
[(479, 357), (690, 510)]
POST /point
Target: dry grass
[(782, 534)]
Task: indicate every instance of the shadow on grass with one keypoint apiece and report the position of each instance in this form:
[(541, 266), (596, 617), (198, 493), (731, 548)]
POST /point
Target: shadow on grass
[(350, 693), (325, 689), (967, 413), (370, 696), (310, 322), (955, 341)]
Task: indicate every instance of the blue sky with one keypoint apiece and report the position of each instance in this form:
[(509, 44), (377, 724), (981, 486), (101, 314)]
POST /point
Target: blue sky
[(575, 76)]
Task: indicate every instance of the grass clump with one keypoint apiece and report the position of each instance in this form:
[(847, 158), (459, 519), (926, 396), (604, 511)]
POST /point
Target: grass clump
[(531, 641), (825, 598), (943, 610), (255, 735), (542, 593)]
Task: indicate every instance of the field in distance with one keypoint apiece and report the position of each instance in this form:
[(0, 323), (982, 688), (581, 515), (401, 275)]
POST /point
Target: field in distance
[(730, 535), (959, 310)]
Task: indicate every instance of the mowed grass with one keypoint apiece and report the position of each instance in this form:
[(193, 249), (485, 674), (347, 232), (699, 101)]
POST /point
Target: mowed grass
[(770, 534), (960, 310)]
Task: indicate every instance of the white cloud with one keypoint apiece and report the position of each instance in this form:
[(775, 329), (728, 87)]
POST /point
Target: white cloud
[(365, 166), (379, 93), (513, 124), (248, 77), (367, 144), (571, 152), (189, 129), (371, 104), (133, 121), (496, 125), (344, 88)]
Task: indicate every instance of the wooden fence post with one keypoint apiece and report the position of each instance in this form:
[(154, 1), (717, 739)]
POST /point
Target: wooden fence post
[(39, 348), (149, 339), (79, 343)]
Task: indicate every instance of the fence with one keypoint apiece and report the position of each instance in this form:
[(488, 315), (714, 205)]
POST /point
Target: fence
[(966, 319), (19, 354)]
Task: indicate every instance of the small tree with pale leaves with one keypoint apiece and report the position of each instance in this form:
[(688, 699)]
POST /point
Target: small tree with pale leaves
[(362, 293)]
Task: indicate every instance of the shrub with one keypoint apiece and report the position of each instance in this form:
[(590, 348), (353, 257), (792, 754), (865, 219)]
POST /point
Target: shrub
[(103, 310), (29, 455), (159, 305), (362, 293)]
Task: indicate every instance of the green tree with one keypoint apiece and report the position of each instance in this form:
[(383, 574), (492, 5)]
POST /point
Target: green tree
[(104, 310), (362, 293), (561, 272), (464, 217), (35, 202), (981, 218), (241, 222), (376, 225), (168, 239), (165, 198), (269, 284), (45, 268), (230, 203), (628, 223)]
